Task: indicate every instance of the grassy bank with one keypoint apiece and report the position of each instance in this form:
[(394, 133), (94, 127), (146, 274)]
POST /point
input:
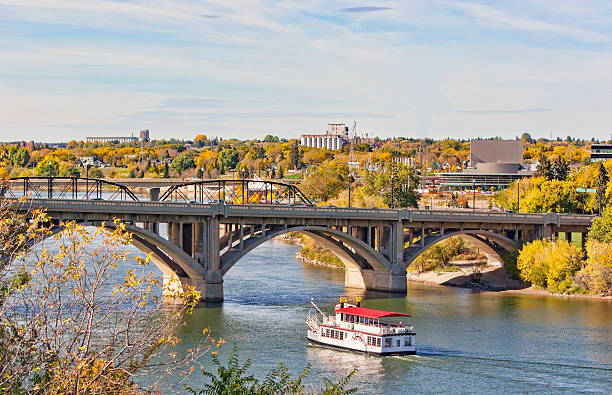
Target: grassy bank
[(314, 253)]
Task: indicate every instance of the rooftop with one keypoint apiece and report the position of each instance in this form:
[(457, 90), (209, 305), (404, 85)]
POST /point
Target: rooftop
[(369, 313)]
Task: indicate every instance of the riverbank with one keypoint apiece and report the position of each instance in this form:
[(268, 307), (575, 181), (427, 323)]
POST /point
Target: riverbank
[(311, 253), (470, 275), (490, 279)]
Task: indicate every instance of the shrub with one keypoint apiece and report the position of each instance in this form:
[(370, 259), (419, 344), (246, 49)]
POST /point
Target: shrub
[(549, 264)]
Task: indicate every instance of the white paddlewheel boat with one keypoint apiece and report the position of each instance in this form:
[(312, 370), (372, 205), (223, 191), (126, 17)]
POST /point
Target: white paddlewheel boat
[(357, 328)]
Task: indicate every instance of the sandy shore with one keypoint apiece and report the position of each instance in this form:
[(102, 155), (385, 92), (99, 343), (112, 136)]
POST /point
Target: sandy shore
[(492, 279)]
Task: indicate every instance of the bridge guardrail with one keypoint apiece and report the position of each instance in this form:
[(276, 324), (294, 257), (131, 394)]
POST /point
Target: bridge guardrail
[(270, 210)]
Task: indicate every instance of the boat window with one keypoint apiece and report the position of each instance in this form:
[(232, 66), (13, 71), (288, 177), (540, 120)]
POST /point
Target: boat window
[(369, 340), (378, 341), (387, 342), (341, 335), (408, 341), (398, 343), (342, 317)]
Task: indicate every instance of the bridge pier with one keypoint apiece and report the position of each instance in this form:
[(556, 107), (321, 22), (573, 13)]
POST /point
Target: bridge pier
[(213, 285), (376, 280)]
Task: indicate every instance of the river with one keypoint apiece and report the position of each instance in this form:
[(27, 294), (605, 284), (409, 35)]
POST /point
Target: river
[(468, 342)]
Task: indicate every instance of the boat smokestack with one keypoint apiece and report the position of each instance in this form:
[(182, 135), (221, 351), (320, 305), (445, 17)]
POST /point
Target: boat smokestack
[(358, 301), (341, 303)]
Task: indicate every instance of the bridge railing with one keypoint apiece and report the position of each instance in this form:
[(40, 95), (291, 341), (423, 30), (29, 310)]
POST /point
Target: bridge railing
[(501, 216), (262, 210)]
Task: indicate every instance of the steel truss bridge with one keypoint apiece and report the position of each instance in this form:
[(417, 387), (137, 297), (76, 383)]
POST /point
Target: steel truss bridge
[(205, 191)]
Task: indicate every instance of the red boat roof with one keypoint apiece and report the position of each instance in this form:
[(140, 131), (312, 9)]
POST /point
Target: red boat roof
[(369, 313)]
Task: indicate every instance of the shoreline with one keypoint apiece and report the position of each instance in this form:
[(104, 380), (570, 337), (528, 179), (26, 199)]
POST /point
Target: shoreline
[(461, 279), (493, 279)]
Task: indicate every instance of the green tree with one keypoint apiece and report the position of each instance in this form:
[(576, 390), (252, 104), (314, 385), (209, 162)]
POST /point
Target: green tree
[(19, 157), (228, 159), (182, 163), (166, 171), (95, 172), (601, 183), (69, 171), (295, 157), (48, 167), (560, 169), (404, 186), (271, 139), (544, 167)]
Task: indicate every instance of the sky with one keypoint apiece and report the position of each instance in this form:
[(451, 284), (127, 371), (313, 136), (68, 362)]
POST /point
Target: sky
[(247, 68)]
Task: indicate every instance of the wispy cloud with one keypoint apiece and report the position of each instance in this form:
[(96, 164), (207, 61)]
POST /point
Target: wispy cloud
[(508, 111), (196, 102), (502, 19), (364, 9)]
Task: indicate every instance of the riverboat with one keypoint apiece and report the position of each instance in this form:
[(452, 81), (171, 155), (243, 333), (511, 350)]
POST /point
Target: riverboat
[(361, 329)]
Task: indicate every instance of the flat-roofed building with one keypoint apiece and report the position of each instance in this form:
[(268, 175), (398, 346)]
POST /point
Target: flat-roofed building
[(601, 152), (493, 163)]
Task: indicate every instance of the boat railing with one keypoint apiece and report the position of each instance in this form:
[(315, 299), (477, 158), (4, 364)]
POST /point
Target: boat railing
[(397, 330), (313, 322)]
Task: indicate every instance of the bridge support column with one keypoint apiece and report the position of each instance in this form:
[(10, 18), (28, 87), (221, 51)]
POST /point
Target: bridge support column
[(376, 280), (176, 234), (213, 285), (197, 242), (169, 231)]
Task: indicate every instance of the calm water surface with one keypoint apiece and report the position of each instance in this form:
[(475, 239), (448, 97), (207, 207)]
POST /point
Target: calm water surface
[(467, 342)]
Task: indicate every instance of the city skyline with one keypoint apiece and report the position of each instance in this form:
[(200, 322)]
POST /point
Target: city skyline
[(247, 68)]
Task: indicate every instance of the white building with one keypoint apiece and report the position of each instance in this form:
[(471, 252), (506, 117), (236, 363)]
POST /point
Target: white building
[(334, 138)]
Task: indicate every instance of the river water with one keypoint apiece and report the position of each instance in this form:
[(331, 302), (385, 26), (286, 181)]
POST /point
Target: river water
[(468, 342)]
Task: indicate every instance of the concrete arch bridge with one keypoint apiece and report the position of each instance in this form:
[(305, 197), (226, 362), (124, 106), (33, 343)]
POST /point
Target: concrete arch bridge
[(204, 240)]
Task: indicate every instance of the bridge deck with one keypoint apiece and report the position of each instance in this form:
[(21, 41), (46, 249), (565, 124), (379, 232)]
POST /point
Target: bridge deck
[(263, 211)]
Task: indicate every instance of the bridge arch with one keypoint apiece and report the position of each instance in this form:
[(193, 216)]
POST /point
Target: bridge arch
[(365, 267), (240, 191), (489, 243), (178, 268), (65, 188)]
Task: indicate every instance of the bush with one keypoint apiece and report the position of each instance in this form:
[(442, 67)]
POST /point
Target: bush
[(596, 277), (549, 264)]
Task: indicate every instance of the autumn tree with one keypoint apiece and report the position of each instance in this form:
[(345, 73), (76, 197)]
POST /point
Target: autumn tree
[(48, 167), (71, 322), (325, 182)]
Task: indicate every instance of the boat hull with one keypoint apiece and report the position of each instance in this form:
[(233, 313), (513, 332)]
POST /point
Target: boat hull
[(383, 354)]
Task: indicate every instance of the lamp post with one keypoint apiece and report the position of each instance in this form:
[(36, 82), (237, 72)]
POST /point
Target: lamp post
[(518, 195), (349, 189), (86, 181), (392, 190), (473, 195)]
